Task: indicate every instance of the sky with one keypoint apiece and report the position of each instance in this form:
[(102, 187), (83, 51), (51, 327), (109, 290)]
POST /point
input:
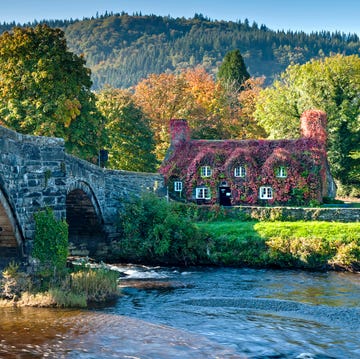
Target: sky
[(295, 15)]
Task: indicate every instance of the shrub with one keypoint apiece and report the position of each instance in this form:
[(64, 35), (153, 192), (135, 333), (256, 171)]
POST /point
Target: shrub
[(50, 242), (299, 252), (244, 251), (154, 230), (54, 297), (14, 282), (347, 256)]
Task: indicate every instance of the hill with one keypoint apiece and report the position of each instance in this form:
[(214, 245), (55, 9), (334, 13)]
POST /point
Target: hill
[(121, 49)]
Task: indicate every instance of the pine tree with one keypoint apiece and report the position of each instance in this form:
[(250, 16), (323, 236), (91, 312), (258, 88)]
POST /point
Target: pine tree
[(233, 70)]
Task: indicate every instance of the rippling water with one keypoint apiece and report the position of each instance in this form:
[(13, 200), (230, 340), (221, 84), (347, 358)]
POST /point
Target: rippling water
[(200, 313)]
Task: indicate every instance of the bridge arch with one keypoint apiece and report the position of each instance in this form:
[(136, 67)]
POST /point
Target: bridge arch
[(11, 239), (85, 220)]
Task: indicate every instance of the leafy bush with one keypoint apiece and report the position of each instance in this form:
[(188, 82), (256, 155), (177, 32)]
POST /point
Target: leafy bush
[(299, 252), (154, 230), (347, 256), (51, 285), (50, 242), (237, 251)]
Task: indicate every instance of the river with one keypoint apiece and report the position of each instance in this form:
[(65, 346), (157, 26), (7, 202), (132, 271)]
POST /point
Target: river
[(199, 313)]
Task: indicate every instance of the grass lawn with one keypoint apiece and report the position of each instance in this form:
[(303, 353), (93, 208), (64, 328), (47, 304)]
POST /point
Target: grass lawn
[(303, 229), (300, 244)]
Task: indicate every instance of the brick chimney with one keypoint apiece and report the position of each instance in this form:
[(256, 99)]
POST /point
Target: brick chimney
[(179, 132), (313, 125)]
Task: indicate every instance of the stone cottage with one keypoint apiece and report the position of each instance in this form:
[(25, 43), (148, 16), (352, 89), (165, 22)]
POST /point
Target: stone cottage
[(249, 172)]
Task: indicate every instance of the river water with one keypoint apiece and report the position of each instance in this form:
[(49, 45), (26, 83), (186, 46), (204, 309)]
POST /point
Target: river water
[(199, 313)]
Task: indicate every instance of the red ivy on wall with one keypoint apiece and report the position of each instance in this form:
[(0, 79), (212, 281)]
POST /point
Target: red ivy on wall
[(304, 161)]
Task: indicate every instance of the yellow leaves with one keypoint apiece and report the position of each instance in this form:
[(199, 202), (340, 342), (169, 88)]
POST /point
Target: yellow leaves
[(167, 96), (48, 88), (67, 110), (161, 96), (212, 110), (72, 110)]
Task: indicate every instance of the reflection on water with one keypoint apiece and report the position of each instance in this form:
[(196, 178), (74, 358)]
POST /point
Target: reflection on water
[(200, 313), (38, 333), (333, 289)]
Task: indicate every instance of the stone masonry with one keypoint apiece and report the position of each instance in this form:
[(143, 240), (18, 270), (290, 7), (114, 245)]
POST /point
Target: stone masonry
[(35, 172)]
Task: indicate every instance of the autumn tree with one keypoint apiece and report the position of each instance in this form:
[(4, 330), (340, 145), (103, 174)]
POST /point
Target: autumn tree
[(45, 89), (250, 127), (204, 115), (192, 95), (211, 111), (332, 85), (162, 97), (238, 96), (130, 139)]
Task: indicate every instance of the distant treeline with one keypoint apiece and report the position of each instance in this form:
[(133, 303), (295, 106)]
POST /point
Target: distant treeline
[(121, 49)]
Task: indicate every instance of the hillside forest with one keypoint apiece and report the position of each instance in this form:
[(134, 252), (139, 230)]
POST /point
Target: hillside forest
[(122, 49), (115, 81)]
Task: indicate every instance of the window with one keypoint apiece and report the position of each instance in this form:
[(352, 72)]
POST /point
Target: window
[(240, 171), (178, 186), (205, 171), (202, 193), (265, 192), (281, 172)]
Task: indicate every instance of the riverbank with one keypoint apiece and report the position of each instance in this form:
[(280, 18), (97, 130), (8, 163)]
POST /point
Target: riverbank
[(155, 232), (75, 288), (301, 245), (315, 246)]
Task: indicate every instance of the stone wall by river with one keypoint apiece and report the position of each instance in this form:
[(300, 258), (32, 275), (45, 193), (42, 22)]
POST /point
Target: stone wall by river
[(286, 213)]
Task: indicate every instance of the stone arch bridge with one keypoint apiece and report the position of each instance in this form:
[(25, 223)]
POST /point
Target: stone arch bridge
[(36, 172)]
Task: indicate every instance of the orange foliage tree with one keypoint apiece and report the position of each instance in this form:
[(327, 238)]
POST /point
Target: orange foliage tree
[(161, 98), (212, 110), (248, 99)]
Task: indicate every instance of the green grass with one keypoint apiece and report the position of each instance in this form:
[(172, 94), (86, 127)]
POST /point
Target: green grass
[(310, 245), (328, 230)]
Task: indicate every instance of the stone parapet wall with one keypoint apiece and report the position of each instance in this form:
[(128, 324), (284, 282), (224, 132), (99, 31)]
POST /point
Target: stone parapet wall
[(294, 213), (35, 172), (29, 168)]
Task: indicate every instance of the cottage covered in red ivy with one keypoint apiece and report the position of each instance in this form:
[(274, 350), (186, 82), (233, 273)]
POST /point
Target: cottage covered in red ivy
[(243, 172)]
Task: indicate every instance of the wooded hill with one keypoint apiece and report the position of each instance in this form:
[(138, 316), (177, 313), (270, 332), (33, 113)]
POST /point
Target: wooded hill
[(121, 49)]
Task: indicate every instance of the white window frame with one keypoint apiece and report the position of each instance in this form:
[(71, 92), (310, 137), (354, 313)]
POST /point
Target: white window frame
[(205, 171), (240, 171), (281, 172), (178, 186), (202, 193), (266, 192)]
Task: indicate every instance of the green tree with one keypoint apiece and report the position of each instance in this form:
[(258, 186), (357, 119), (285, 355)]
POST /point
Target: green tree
[(130, 139), (332, 85), (45, 89), (232, 70)]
